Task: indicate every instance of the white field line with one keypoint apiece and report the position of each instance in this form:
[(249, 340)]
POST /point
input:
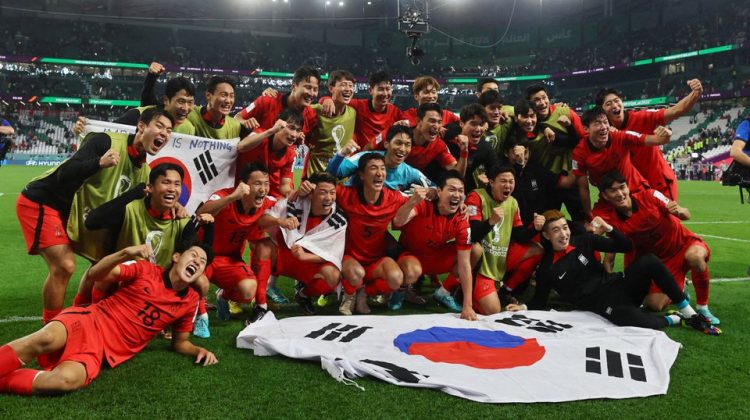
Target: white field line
[(19, 319), (730, 222), (723, 237)]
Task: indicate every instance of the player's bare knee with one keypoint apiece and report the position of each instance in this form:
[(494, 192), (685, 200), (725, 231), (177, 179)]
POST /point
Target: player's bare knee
[(63, 269), (394, 278), (67, 380), (331, 276), (247, 289), (696, 259)]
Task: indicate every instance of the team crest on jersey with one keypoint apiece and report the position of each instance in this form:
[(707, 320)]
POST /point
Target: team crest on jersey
[(583, 259), (574, 164), (534, 185), (472, 210), (154, 238), (123, 184)]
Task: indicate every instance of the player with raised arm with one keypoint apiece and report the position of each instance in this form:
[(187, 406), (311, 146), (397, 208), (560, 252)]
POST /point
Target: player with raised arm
[(114, 330), (107, 165), (571, 268), (436, 239), (652, 222), (475, 154)]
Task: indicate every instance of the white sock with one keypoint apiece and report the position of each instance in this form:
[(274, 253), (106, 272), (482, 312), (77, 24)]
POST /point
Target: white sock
[(701, 307), (442, 291), (263, 305), (673, 320)]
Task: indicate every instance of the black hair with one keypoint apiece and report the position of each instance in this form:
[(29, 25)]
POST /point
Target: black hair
[(338, 75), (429, 106), (366, 158), (149, 114), (161, 170), (303, 73), (319, 177), (470, 111), (449, 174), (250, 168), (177, 84), (591, 115), (293, 116), (496, 170), (205, 246), (379, 77), (610, 178), (490, 97), (599, 98), (533, 89), (397, 129), (483, 81), (522, 107), (215, 81)]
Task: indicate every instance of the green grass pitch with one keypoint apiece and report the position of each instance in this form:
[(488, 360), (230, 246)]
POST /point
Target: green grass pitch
[(711, 376)]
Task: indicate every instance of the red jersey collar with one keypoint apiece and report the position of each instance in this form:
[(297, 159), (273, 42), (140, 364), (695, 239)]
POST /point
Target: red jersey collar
[(167, 215), (135, 156), (559, 254), (207, 118)]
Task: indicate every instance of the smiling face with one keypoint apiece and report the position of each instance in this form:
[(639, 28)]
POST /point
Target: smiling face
[(450, 196), (222, 99), (527, 122), (489, 86), (473, 129), (289, 135), (189, 265), (154, 136), (614, 107), (180, 105), (427, 95), (429, 125), (306, 91), (598, 131), (259, 187), (397, 149), (618, 194), (342, 91), (165, 191), (494, 112), (323, 198), (502, 186), (373, 175), (381, 94), (558, 233), (541, 103)]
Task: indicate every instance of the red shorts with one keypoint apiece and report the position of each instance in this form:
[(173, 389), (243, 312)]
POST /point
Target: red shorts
[(85, 343), (225, 272), (678, 266), (439, 261), (483, 286), (288, 265), (41, 225)]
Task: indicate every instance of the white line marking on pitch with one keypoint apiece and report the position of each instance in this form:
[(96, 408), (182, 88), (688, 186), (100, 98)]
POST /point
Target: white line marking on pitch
[(732, 222), (723, 237), (19, 319), (728, 280)]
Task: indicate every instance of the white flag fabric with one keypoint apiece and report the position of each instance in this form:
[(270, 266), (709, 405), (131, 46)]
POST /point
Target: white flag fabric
[(209, 164), (531, 356)]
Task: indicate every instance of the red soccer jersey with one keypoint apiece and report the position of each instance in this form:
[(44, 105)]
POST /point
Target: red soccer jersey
[(436, 150), (615, 155), (429, 231), (143, 306), (266, 110), (280, 165), (367, 223), (411, 115), (372, 125), (232, 224), (651, 227), (649, 161), (474, 204)]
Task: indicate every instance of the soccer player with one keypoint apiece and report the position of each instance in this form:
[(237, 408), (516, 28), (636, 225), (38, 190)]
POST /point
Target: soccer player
[(275, 149), (498, 121), (369, 208), (211, 120), (429, 152), (106, 165), (265, 110), (425, 90), (496, 224), (470, 147), (652, 222), (329, 134), (486, 83), (236, 212), (312, 253), (374, 116), (571, 268), (114, 330), (436, 239), (649, 161), (603, 151), (400, 175)]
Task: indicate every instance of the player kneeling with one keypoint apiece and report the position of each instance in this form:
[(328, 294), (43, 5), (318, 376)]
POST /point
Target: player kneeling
[(436, 239), (312, 253), (114, 329)]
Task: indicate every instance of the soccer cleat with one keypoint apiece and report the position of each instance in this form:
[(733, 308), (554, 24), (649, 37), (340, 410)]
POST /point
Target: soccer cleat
[(322, 301), (506, 297), (448, 302), (379, 299), (708, 315), (303, 301), (222, 306), (347, 305), (396, 300), (700, 323), (256, 315), (360, 304), (235, 308), (413, 297), (200, 329), (276, 296)]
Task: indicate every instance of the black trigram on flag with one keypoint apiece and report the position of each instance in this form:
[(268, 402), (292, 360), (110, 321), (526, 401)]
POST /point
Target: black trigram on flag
[(204, 164), (613, 361), (336, 331)]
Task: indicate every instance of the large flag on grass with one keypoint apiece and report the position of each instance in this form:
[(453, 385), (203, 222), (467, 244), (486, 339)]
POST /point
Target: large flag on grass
[(209, 164), (532, 356)]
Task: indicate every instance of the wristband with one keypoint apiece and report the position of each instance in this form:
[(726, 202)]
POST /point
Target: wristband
[(464, 154)]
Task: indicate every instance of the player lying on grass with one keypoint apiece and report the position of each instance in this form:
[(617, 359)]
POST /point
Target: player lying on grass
[(570, 267), (115, 329), (652, 222)]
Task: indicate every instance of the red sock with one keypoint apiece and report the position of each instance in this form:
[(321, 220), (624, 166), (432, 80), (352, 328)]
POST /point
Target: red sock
[(48, 314), (700, 283), (522, 272), (9, 360), (377, 287), (262, 271), (19, 381), (450, 282), (81, 300), (349, 289), (317, 287), (234, 295), (202, 306)]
